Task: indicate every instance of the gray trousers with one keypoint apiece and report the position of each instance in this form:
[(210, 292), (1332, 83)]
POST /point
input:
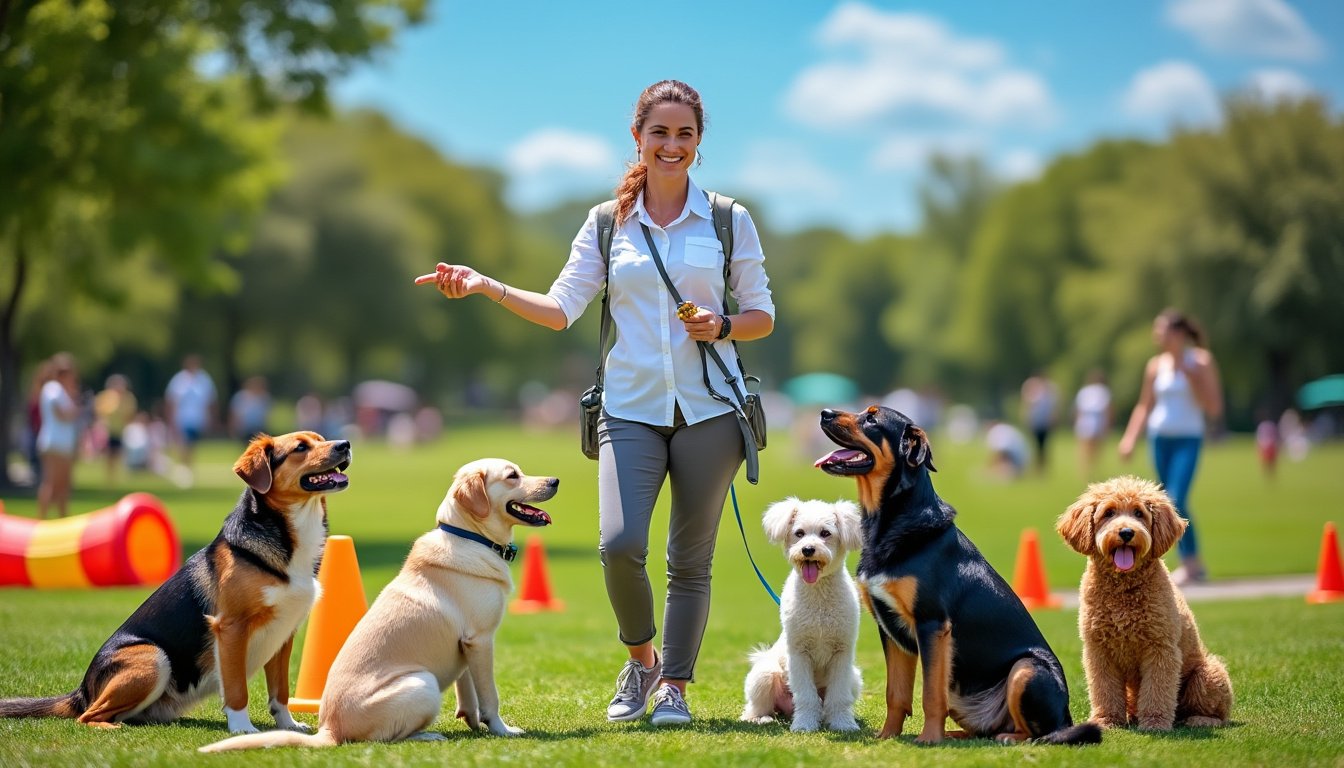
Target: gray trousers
[(701, 460)]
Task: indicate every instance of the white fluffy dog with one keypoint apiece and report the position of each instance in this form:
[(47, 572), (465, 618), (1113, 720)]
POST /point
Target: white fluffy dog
[(809, 672)]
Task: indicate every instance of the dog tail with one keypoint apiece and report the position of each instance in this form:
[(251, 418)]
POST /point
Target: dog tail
[(1082, 733), (69, 705), (276, 738)]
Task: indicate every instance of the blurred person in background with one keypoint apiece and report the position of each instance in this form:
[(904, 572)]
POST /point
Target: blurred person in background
[(1039, 400), (1181, 395), (191, 405), (33, 420), (1091, 419), (1267, 444), (249, 408), (114, 408), (1007, 450), (658, 422), (58, 438)]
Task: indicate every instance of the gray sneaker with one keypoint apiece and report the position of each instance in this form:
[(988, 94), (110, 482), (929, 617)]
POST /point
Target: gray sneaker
[(633, 686), (669, 708)]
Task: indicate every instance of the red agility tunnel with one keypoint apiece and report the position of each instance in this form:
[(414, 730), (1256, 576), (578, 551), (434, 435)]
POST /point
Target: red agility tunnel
[(131, 543)]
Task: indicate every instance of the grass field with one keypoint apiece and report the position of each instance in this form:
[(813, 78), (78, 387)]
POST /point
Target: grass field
[(555, 670)]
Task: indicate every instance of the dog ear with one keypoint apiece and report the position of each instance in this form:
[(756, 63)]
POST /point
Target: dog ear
[(778, 519), (254, 466), (850, 523), (469, 494), (917, 449), (1075, 525), (1168, 527)]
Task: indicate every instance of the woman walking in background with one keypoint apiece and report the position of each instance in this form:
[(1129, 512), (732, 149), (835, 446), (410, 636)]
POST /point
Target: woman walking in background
[(659, 422), (58, 439), (1181, 394)]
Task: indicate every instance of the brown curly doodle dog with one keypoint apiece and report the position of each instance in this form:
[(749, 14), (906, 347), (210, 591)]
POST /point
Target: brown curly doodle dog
[(1144, 660)]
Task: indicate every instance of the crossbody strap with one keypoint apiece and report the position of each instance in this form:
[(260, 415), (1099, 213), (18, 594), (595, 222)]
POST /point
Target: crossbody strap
[(753, 468)]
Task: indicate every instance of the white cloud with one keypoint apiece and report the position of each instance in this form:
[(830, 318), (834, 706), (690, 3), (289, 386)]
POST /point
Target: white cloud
[(1280, 84), (559, 149), (554, 164), (1019, 165), (781, 168), (911, 66), (1269, 28), (911, 152), (1172, 91)]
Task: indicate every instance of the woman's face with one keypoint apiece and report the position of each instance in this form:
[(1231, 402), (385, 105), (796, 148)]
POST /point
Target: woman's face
[(668, 141), (1164, 335)]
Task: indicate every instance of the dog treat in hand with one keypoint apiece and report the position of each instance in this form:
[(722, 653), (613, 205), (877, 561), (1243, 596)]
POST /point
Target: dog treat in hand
[(686, 310)]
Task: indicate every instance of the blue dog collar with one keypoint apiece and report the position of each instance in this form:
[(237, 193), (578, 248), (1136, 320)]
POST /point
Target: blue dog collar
[(507, 552)]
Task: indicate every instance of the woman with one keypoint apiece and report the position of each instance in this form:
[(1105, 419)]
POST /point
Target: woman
[(658, 419), (1091, 419), (58, 437), (1181, 393)]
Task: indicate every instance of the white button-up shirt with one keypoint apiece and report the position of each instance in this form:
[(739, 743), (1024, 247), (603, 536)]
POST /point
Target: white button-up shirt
[(654, 364)]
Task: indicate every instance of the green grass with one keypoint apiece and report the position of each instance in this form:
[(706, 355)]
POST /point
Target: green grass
[(555, 670)]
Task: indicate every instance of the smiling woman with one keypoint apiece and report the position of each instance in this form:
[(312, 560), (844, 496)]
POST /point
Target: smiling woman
[(658, 419)]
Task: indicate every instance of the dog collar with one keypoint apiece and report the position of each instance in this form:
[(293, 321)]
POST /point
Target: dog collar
[(508, 553)]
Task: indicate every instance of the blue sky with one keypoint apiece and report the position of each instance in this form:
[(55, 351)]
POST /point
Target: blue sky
[(825, 113)]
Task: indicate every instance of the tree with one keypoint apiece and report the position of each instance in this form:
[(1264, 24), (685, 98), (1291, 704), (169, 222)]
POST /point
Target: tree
[(139, 119)]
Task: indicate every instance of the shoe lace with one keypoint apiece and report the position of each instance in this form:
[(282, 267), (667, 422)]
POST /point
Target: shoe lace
[(628, 682), (669, 696)]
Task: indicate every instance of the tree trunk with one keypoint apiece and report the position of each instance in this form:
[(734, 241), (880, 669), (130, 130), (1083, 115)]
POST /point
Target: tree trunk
[(1280, 386), (9, 361)]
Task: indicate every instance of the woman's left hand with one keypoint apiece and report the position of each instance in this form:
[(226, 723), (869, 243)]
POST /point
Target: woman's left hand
[(704, 325)]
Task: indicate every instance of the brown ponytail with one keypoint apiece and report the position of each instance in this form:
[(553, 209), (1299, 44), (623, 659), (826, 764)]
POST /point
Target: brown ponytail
[(632, 183), (1184, 323)]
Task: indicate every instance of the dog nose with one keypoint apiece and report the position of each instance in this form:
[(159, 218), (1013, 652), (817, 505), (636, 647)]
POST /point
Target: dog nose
[(809, 551), (554, 482), (828, 414), (1126, 534), (342, 446)]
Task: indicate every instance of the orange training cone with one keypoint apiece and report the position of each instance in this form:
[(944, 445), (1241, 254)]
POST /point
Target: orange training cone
[(1029, 574), (1329, 575), (535, 593), (336, 613)]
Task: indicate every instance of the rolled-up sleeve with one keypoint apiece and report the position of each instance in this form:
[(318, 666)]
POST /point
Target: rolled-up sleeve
[(746, 273), (583, 275)]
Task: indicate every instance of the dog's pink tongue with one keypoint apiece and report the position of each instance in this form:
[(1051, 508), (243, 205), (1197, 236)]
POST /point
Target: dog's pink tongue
[(838, 457), (810, 572), (1124, 558)]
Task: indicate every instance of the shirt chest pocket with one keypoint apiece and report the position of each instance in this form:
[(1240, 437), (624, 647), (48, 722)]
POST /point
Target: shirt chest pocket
[(703, 252)]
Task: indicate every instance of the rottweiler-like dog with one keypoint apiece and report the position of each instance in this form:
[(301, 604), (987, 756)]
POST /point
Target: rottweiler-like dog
[(935, 597)]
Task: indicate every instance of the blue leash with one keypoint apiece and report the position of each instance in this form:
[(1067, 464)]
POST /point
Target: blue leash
[(732, 491)]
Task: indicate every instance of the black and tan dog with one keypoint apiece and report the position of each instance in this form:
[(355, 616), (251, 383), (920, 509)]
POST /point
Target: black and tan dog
[(231, 609), (936, 598)]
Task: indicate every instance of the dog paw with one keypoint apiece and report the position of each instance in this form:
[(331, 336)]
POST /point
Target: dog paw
[(295, 725), (805, 724), (1199, 721), (843, 724), (500, 728), (1155, 723), (1110, 722), (762, 720), (239, 721)]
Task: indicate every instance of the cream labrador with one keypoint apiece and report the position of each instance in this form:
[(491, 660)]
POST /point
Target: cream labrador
[(433, 625)]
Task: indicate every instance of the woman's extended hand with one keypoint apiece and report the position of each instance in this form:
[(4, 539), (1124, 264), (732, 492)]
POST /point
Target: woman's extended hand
[(455, 281), (703, 325)]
